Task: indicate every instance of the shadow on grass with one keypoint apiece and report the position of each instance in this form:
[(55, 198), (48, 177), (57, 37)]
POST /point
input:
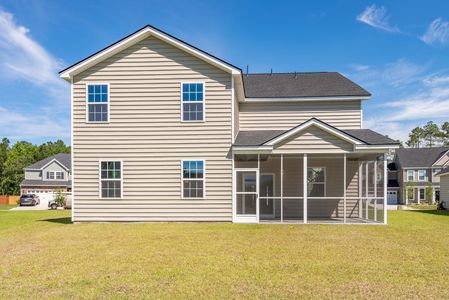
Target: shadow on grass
[(432, 212), (66, 220)]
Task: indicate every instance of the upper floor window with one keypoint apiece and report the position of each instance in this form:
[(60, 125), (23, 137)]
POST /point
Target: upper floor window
[(55, 175), (97, 102), (193, 101), (422, 175), (193, 179), (410, 175)]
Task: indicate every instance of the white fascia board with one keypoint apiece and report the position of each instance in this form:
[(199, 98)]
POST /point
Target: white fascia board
[(387, 147), (251, 149), (137, 37), (309, 123), (299, 99)]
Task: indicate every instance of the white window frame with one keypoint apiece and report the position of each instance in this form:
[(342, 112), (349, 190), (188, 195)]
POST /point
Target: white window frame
[(87, 102), (204, 102), (419, 194), (408, 177), (53, 173), (110, 179), (424, 179), (198, 179), (324, 182)]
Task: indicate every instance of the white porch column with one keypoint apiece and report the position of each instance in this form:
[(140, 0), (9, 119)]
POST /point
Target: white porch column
[(258, 189), (304, 183), (375, 189), (344, 188), (366, 189), (360, 188), (433, 194), (282, 188), (385, 188)]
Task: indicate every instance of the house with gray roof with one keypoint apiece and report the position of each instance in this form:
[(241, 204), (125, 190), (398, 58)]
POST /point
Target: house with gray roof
[(415, 177), (164, 131), (444, 186), (48, 176)]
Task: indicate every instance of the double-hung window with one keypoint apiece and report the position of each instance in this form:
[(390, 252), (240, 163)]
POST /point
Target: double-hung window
[(192, 102), (55, 175), (316, 182), (422, 175), (97, 103), (193, 178), (410, 175), (111, 179), (422, 194)]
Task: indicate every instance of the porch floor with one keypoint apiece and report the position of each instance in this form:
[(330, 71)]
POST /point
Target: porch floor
[(322, 221)]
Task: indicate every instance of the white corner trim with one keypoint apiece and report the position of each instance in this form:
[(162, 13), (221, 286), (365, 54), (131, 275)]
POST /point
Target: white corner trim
[(320, 125), (139, 36)]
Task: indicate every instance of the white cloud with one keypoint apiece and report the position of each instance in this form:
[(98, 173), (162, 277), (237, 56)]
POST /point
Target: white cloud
[(377, 18), (19, 126), (23, 57), (437, 33)]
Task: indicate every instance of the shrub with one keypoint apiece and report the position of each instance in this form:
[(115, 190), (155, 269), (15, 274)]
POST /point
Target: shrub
[(60, 199)]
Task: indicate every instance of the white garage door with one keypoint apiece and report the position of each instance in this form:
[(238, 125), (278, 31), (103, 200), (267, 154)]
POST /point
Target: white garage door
[(43, 194)]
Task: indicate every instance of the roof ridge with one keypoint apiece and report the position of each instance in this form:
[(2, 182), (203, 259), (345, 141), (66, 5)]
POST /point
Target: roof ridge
[(292, 73)]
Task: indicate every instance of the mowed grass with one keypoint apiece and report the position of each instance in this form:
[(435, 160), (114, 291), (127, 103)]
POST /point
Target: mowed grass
[(44, 256)]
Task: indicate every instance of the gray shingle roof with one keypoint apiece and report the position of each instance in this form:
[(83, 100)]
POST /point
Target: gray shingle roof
[(31, 182), (313, 84), (259, 137), (63, 158), (419, 157)]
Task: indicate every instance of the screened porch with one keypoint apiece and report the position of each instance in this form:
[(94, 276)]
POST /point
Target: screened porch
[(310, 188)]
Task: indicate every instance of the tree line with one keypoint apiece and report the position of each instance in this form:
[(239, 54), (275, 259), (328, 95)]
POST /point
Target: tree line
[(430, 135), (20, 155)]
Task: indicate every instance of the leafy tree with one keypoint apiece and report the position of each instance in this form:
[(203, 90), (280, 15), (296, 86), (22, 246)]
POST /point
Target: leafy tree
[(429, 192), (431, 133), (52, 148), (20, 156), (4, 149), (415, 137), (445, 133)]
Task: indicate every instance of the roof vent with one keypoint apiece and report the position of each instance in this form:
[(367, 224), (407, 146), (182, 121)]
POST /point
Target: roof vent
[(295, 75), (271, 72), (247, 70)]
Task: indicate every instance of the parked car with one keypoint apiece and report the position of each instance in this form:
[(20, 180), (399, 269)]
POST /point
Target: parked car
[(67, 204), (29, 199)]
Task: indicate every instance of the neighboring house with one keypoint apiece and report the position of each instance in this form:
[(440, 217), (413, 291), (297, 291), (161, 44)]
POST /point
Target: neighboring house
[(444, 187), (414, 180), (163, 131), (47, 176)]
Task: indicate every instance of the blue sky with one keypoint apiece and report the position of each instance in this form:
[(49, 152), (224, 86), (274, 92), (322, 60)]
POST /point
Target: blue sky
[(399, 51)]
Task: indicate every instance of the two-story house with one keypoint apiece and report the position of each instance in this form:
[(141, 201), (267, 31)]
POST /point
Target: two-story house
[(47, 176), (163, 131), (415, 176)]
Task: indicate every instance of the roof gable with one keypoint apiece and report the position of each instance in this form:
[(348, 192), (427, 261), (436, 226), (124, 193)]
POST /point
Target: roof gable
[(63, 159), (316, 123), (419, 157), (136, 37)]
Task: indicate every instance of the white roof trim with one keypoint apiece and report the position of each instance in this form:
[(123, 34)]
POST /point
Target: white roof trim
[(318, 124), (137, 37), (251, 149), (296, 99)]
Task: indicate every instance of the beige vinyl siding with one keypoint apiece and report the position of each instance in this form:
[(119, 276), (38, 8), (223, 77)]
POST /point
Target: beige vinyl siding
[(285, 115), (444, 190), (145, 132), (313, 140)]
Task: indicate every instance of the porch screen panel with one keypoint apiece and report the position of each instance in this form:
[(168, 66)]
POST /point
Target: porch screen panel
[(270, 187), (245, 161), (293, 188)]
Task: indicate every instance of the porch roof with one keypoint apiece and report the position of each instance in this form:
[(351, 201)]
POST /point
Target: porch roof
[(260, 137)]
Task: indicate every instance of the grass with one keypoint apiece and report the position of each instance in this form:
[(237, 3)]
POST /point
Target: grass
[(424, 206), (45, 256)]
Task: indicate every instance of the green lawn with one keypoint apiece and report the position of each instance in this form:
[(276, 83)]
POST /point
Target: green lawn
[(44, 256)]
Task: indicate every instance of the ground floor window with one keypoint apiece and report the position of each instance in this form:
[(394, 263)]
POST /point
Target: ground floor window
[(410, 194), (111, 179), (422, 194), (316, 182), (193, 178)]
